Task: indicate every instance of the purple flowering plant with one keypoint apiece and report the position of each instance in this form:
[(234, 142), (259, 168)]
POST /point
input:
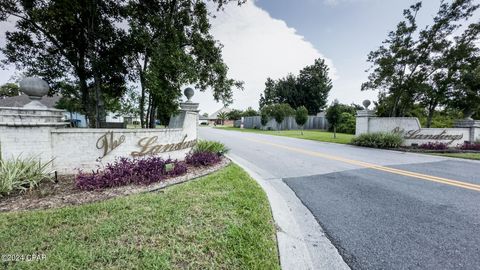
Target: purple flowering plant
[(125, 171)]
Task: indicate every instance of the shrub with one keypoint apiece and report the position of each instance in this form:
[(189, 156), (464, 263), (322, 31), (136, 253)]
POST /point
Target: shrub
[(126, 171), (379, 140), (434, 146), (301, 116), (471, 146), (202, 159), (210, 146), (347, 123), (22, 174)]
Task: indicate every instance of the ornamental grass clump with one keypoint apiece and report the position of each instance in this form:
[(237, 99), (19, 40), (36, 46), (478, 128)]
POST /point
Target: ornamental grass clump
[(379, 140), (206, 153), (210, 146), (126, 171), (22, 174)]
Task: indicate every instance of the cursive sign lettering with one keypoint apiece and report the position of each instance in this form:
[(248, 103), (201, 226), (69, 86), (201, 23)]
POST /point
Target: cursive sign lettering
[(417, 135), (107, 143), (149, 147)]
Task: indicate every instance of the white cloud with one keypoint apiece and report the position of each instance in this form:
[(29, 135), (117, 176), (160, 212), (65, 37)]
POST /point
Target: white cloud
[(333, 3), (257, 46)]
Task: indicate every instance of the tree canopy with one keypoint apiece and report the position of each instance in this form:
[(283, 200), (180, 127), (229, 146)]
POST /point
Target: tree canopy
[(74, 41), (426, 66), (173, 47), (301, 116), (310, 88), (9, 90), (99, 47)]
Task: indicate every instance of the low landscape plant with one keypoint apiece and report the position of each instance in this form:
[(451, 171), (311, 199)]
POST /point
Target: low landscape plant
[(379, 140), (210, 146), (471, 146), (434, 146), (202, 159), (126, 171), (22, 174)]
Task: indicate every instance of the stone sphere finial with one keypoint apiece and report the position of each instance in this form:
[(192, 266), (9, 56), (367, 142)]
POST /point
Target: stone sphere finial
[(366, 103), (189, 92), (35, 88)]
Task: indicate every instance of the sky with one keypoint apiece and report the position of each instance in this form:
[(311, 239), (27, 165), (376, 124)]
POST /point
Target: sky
[(272, 38)]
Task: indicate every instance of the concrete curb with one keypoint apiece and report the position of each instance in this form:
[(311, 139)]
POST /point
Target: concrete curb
[(302, 243)]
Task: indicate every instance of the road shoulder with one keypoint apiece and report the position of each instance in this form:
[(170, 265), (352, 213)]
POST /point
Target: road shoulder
[(302, 243)]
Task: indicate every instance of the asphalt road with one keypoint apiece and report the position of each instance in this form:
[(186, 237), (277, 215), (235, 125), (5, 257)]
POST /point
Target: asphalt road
[(380, 209)]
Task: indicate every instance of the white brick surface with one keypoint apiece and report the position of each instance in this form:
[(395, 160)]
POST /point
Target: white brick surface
[(36, 133)]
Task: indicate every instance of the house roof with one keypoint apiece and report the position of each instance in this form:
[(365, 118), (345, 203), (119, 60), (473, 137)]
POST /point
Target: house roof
[(22, 100), (214, 115)]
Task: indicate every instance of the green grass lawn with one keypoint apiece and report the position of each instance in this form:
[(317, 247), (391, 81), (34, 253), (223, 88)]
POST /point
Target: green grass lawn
[(222, 221), (315, 135), (475, 156)]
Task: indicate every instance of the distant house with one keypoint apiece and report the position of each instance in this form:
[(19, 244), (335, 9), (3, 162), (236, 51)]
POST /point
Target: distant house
[(215, 120), (203, 120)]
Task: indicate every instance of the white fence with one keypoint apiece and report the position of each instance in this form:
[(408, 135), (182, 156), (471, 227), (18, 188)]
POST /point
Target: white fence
[(313, 122)]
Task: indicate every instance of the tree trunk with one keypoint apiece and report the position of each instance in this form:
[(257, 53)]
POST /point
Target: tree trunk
[(100, 113), (334, 131), (147, 124), (141, 71), (142, 102), (431, 112), (429, 119), (152, 115), (89, 117)]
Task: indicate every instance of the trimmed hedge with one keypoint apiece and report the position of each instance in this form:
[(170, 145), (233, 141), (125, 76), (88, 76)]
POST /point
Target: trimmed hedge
[(379, 140)]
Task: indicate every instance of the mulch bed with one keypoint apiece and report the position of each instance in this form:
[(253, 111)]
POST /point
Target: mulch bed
[(63, 193)]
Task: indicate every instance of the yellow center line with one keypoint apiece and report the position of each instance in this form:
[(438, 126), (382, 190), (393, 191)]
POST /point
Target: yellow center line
[(431, 178)]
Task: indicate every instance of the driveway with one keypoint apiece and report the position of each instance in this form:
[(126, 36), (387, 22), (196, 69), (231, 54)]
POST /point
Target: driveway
[(380, 209)]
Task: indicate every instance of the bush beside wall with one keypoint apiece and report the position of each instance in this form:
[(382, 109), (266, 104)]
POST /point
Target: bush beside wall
[(379, 140)]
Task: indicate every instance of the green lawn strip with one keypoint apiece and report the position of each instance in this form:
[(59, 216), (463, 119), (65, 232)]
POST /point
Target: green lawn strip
[(314, 135), (222, 221), (474, 156)]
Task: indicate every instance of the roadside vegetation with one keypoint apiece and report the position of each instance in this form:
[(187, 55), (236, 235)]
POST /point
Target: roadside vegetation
[(431, 72), (314, 135), (222, 221), (379, 140)]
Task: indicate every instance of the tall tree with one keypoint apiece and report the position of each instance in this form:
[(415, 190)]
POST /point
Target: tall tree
[(174, 47), (419, 67), (70, 40), (315, 84), (310, 88)]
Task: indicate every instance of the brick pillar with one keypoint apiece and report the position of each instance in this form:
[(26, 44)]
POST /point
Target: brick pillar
[(362, 123), (473, 125)]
